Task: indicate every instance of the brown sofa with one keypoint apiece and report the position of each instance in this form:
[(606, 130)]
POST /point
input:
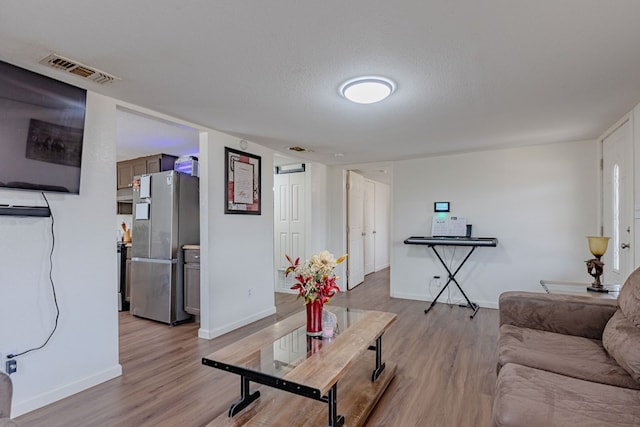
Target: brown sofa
[(6, 393), (569, 360)]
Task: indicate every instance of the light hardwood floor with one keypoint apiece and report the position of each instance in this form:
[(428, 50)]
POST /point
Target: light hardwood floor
[(446, 369)]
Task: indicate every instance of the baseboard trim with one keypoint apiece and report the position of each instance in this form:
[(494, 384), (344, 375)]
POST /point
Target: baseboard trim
[(209, 334), (427, 298), (36, 402), (381, 267)]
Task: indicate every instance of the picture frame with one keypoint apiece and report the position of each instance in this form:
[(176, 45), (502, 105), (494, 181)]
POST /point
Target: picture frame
[(243, 182), (53, 143)]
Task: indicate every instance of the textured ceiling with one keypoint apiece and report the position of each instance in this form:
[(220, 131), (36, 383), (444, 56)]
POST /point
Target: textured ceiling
[(470, 74)]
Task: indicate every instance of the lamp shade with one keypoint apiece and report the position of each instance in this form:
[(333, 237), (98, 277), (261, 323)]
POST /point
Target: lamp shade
[(598, 245)]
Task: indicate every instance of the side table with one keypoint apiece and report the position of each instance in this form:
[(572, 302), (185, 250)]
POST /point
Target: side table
[(580, 288)]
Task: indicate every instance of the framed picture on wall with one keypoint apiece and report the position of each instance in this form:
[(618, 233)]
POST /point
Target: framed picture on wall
[(242, 176), (53, 143)]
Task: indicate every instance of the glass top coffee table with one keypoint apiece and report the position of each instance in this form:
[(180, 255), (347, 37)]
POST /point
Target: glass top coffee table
[(579, 288), (283, 357)]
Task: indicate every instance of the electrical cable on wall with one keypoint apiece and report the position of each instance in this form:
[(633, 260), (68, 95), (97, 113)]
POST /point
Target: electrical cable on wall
[(460, 299), (453, 255), (53, 290), (448, 259), (435, 280), (460, 302)]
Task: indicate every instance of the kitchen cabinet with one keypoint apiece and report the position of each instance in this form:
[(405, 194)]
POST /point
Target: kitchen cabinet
[(127, 169), (138, 167), (125, 174), (192, 280)]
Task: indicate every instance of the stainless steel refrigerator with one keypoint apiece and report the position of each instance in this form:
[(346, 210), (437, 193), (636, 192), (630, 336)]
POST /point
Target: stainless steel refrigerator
[(166, 216)]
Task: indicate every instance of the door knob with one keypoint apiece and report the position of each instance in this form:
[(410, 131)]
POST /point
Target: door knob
[(625, 245)]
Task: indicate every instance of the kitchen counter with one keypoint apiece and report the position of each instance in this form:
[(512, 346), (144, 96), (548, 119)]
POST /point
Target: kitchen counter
[(191, 247)]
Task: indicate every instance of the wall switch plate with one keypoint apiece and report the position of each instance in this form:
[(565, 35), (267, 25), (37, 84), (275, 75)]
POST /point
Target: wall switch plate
[(11, 366)]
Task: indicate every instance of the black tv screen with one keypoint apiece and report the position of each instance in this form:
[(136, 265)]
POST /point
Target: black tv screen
[(41, 131)]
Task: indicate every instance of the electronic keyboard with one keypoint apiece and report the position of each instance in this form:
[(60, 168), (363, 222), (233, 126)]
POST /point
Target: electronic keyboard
[(452, 241)]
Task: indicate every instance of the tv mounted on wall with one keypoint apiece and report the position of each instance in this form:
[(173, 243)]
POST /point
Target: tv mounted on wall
[(41, 131)]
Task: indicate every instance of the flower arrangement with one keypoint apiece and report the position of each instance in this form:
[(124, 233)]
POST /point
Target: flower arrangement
[(315, 278)]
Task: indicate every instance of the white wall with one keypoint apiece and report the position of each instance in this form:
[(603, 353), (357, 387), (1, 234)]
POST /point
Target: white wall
[(337, 221), (382, 225), (540, 202), (237, 279), (83, 351), (317, 208)]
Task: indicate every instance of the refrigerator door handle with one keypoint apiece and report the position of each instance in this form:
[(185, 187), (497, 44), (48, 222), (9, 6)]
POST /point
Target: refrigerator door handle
[(155, 260)]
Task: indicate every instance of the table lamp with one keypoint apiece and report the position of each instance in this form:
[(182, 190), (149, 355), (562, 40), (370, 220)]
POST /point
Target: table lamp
[(597, 246)]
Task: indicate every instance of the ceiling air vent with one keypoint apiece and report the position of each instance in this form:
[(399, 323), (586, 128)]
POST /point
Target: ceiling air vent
[(300, 149), (74, 67)]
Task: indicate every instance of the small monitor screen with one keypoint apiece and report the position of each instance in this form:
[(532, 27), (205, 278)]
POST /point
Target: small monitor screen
[(441, 206)]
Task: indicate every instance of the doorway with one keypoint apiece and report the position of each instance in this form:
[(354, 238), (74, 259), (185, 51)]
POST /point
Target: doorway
[(142, 136), (368, 222), (290, 218)]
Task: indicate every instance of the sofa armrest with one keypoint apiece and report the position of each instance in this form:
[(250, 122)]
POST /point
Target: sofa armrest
[(6, 392), (577, 315)]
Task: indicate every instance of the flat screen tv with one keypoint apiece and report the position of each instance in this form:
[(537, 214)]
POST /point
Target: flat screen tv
[(41, 131)]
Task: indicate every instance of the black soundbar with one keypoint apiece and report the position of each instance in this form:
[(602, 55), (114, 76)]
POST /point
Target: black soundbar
[(39, 211)]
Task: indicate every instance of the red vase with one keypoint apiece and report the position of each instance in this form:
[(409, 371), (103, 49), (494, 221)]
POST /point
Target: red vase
[(314, 318)]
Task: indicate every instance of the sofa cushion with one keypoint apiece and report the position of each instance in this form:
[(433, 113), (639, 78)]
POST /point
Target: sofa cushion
[(629, 298), (531, 397), (579, 315), (577, 357), (622, 340)]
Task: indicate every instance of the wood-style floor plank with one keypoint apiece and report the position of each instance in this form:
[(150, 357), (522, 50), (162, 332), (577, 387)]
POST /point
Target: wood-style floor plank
[(445, 369)]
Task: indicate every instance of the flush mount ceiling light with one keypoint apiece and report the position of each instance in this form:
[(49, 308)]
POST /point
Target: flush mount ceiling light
[(367, 90)]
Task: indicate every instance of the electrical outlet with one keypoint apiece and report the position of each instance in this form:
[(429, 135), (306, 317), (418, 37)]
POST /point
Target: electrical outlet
[(436, 282), (11, 366), (249, 291)]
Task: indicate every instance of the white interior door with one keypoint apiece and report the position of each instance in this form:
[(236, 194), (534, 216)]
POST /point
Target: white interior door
[(281, 223), (617, 200), (355, 229), (297, 215), (289, 223), (369, 227)]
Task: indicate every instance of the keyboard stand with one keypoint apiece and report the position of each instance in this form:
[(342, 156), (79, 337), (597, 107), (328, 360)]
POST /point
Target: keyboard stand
[(473, 243)]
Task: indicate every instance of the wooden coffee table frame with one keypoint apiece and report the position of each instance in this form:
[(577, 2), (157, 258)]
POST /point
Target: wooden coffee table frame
[(313, 378)]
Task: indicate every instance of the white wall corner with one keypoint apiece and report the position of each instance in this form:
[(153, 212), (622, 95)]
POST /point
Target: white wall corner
[(209, 334)]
